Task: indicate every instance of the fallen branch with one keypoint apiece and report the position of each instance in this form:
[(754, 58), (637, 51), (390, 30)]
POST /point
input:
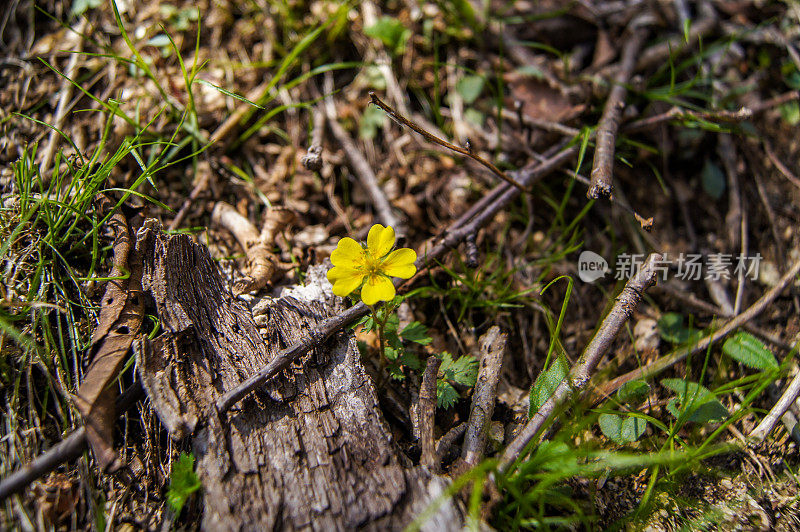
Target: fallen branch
[(676, 356), (580, 373), (493, 344), (606, 135)]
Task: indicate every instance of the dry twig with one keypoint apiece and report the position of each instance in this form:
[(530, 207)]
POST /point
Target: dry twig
[(403, 121), (603, 164), (776, 412), (580, 373), (673, 358)]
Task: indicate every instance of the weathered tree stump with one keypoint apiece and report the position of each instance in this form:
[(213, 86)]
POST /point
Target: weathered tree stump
[(311, 451)]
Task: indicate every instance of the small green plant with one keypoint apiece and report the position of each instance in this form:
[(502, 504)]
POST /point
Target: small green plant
[(463, 371), (183, 482), (750, 351), (391, 33), (671, 329)]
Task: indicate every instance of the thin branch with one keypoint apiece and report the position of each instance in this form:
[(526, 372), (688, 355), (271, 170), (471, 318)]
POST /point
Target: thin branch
[(782, 168), (776, 412), (493, 344), (426, 410), (203, 174), (403, 121), (360, 165), (687, 298), (603, 164), (580, 373), (522, 119), (676, 356), (70, 448)]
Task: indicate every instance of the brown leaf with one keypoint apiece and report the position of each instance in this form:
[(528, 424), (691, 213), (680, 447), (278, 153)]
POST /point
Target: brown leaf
[(540, 100), (120, 320)]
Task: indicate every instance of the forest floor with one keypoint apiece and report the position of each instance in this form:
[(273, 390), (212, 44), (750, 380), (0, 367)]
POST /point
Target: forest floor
[(220, 118)]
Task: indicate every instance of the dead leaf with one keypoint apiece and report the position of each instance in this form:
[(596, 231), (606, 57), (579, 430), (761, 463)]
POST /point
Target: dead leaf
[(121, 312), (540, 100), (56, 498)]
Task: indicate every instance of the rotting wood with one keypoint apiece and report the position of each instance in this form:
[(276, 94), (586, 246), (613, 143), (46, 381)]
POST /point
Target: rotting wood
[(311, 449)]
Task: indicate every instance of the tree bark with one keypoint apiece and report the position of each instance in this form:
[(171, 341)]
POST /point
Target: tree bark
[(309, 451)]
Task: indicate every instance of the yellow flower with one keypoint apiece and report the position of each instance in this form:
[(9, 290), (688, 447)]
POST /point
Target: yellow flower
[(373, 266)]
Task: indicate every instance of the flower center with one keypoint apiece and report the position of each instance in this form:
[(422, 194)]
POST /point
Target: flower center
[(372, 266)]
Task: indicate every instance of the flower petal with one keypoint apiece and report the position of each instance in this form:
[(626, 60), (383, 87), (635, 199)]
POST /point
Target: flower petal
[(348, 253), (400, 263), (380, 240), (344, 280), (377, 288)]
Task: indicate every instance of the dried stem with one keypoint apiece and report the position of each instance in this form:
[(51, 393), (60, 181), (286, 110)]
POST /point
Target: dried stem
[(776, 412), (582, 370), (782, 168), (676, 356), (403, 121), (733, 218), (603, 164), (312, 160), (204, 176), (426, 410), (493, 344)]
